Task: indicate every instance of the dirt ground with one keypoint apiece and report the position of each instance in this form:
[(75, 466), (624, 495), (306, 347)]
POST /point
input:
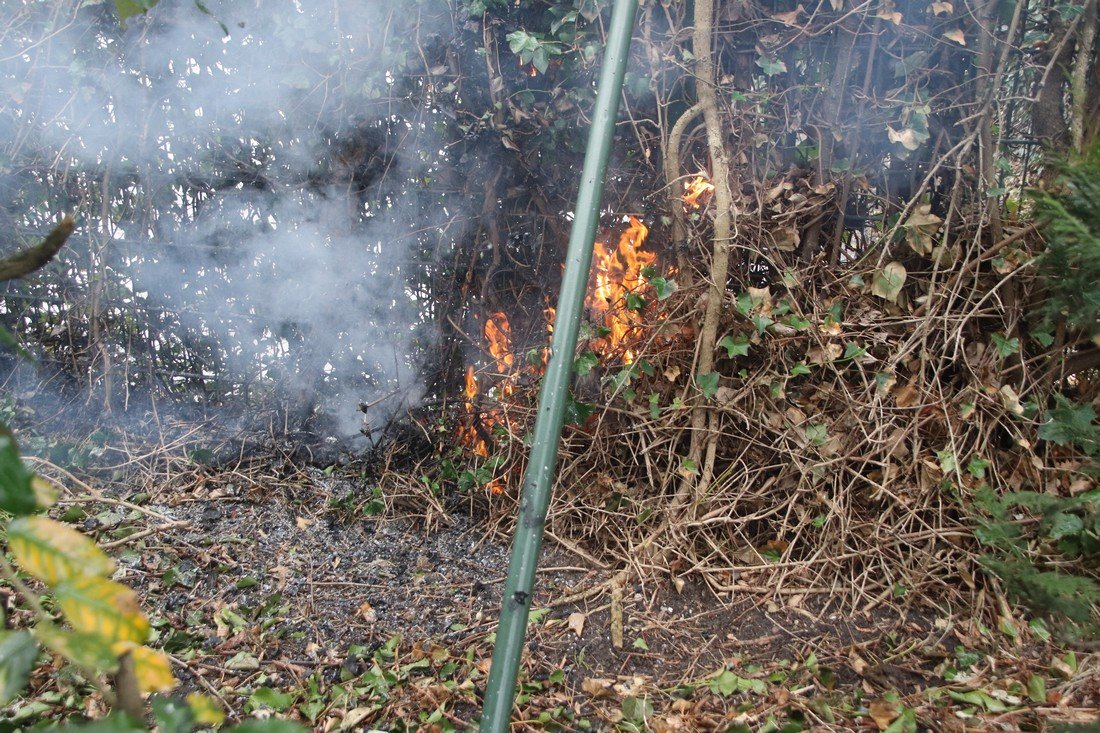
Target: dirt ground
[(289, 590)]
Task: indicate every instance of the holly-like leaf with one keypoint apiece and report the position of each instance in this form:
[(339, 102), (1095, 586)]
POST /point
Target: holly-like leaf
[(54, 552), (18, 650), (103, 608)]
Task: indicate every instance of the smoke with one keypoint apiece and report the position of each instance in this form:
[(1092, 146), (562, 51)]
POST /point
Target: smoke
[(297, 122)]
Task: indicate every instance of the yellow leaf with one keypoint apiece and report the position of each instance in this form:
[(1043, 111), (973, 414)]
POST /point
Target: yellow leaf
[(205, 710), (102, 608), (53, 552), (957, 36), (45, 493), (153, 669), (85, 650), (942, 8)]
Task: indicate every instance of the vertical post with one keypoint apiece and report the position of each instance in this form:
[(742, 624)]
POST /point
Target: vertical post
[(535, 499)]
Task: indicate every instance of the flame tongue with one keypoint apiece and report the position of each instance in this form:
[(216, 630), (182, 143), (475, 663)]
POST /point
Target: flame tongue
[(697, 192), (618, 274)]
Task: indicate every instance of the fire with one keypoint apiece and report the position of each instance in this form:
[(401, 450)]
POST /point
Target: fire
[(618, 274), (498, 334), (614, 301), (468, 434), (697, 192)]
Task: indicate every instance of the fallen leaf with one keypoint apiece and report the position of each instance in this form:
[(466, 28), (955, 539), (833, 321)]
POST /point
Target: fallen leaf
[(368, 613), (907, 137), (956, 35), (576, 622), (940, 8), (789, 18), (883, 713), (888, 282), (596, 686), (303, 523)]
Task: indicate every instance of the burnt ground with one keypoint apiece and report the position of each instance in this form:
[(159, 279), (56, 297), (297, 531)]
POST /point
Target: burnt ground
[(279, 590)]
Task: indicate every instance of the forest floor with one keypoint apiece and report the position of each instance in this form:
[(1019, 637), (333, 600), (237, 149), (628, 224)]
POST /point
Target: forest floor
[(289, 590)]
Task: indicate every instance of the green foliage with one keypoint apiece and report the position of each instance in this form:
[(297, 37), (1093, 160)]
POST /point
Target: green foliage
[(1070, 213), (16, 494), (1069, 527), (1070, 424)]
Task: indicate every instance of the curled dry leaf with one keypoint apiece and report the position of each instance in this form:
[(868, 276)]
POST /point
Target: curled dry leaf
[(789, 18), (597, 686), (956, 35)]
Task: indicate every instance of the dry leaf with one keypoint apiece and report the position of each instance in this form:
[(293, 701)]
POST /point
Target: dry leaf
[(894, 16), (596, 686), (956, 35), (907, 137), (368, 613), (576, 622), (672, 372), (883, 713), (907, 395), (939, 8), (789, 18), (1011, 400), (303, 523)]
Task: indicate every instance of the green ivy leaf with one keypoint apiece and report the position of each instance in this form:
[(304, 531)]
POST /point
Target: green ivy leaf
[(817, 433), (663, 287), (771, 67), (799, 369), (127, 8), (708, 383), (1005, 346), (585, 363), (735, 347)]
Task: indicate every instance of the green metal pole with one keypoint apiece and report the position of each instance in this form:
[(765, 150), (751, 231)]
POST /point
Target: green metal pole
[(518, 588)]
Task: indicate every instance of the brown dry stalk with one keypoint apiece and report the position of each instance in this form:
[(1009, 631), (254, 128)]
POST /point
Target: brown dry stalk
[(703, 438)]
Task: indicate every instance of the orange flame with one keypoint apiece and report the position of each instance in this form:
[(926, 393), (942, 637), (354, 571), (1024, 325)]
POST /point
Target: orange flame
[(618, 274), (697, 192), (498, 333)]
